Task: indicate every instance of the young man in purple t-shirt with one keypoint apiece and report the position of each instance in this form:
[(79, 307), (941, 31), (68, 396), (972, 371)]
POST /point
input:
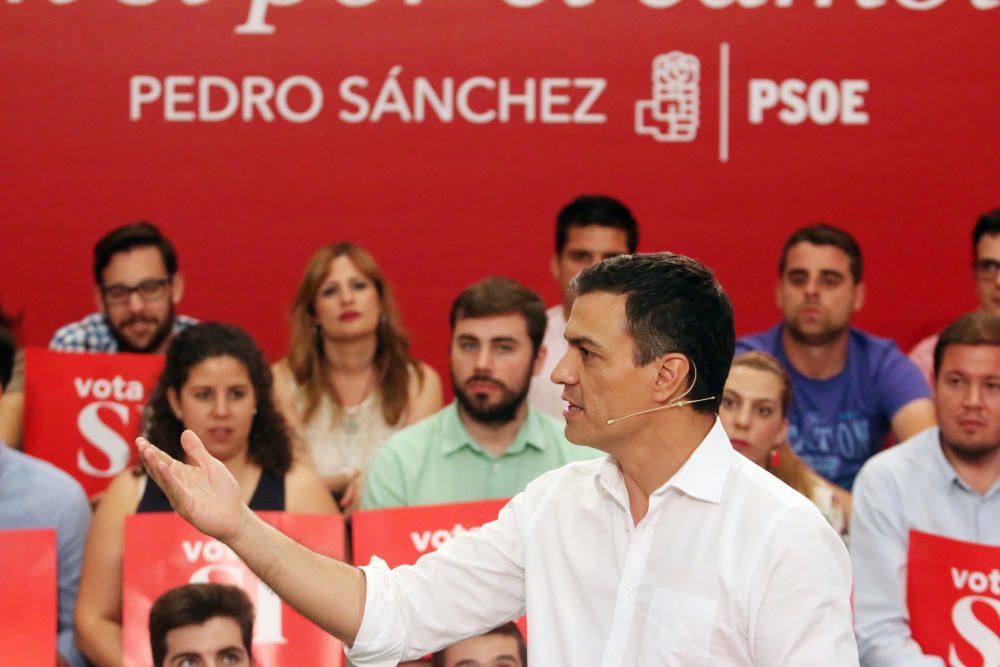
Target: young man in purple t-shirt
[(850, 387)]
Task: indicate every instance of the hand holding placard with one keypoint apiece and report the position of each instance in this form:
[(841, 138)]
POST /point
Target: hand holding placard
[(205, 494)]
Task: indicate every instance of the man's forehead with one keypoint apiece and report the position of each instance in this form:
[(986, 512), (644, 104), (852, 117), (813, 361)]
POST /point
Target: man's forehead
[(988, 246), (215, 634), (145, 260), (506, 325), (596, 236), (971, 359), (809, 256), (597, 315)]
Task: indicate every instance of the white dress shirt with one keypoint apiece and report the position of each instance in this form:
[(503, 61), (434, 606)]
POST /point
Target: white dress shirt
[(544, 394), (729, 567)]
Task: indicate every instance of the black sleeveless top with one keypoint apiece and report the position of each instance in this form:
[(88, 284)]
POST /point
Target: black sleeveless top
[(268, 496)]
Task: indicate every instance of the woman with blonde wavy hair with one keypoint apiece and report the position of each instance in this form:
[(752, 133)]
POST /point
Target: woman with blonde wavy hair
[(348, 381), (754, 411)]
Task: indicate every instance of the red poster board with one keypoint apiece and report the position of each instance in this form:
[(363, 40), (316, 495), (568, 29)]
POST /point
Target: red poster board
[(163, 551), (953, 596), (401, 535), (82, 411), (28, 573)]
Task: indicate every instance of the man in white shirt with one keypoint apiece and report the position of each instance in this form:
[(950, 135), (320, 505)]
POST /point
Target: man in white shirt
[(671, 550), (589, 229)]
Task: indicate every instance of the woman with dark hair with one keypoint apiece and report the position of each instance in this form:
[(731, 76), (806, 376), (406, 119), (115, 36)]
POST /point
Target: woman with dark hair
[(217, 384), (754, 413), (349, 382)]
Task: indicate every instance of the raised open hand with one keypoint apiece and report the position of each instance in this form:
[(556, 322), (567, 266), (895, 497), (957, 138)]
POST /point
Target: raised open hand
[(205, 493)]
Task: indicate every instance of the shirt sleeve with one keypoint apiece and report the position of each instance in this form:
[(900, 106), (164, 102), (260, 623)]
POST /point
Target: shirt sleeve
[(384, 481), (800, 595), (899, 381), (472, 584), (879, 545), (71, 534)]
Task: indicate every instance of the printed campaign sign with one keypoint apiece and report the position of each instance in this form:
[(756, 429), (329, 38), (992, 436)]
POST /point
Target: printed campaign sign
[(28, 573), (401, 535), (162, 551), (82, 412), (953, 595)]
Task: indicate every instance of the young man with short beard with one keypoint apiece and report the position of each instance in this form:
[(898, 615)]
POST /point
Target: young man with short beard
[(944, 481), (849, 386), (489, 442)]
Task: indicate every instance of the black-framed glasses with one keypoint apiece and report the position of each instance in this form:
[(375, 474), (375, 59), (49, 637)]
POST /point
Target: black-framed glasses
[(153, 289), (986, 269)]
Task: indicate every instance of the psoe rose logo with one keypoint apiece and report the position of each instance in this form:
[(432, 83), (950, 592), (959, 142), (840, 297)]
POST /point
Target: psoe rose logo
[(672, 114)]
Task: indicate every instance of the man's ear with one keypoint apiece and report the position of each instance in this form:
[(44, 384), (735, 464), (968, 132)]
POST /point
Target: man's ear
[(554, 267), (99, 299), (177, 288), (860, 292), (671, 377), (539, 362)]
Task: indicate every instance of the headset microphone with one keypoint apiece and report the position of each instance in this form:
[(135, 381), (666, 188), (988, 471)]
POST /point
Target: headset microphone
[(674, 404)]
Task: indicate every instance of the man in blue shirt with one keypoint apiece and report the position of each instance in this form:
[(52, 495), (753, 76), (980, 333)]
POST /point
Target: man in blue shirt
[(34, 494), (850, 387), (945, 481)]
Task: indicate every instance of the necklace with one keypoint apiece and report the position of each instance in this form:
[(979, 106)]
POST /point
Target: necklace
[(351, 415)]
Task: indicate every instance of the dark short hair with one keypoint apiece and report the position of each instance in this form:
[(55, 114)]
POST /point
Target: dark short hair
[(508, 629), (601, 210), (824, 234), (672, 304), (988, 223), (497, 295), (270, 443), (8, 347), (976, 328), (195, 604), (128, 237)]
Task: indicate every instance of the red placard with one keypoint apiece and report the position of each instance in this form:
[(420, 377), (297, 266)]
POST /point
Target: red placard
[(953, 595), (163, 551), (82, 412), (401, 535), (28, 572)]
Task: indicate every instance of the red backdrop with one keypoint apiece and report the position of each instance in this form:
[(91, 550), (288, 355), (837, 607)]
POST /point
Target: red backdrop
[(443, 203)]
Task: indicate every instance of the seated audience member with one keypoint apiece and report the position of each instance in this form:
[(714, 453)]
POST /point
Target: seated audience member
[(986, 271), (850, 387), (349, 382), (138, 287), (217, 384), (944, 481), (202, 625), (588, 229), (754, 412), (35, 494), (502, 647), (489, 443)]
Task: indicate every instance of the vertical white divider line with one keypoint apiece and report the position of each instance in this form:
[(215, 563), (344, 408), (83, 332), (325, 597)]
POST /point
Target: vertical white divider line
[(724, 102)]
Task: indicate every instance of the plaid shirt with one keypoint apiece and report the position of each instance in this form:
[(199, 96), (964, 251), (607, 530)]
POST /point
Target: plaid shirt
[(92, 334)]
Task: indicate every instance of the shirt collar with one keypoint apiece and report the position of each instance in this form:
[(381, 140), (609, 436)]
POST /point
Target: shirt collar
[(456, 437), (947, 472), (703, 475)]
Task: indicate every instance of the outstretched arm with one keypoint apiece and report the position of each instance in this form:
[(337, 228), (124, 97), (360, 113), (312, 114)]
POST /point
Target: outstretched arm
[(326, 591)]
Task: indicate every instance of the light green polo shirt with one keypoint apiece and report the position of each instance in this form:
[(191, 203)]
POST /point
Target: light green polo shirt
[(436, 461)]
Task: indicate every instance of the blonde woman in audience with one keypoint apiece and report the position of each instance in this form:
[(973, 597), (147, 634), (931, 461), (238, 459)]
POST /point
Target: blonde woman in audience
[(349, 382), (754, 413), (216, 383)]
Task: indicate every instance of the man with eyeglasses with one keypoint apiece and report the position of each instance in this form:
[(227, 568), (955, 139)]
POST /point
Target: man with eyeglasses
[(850, 387), (138, 286), (985, 270)]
